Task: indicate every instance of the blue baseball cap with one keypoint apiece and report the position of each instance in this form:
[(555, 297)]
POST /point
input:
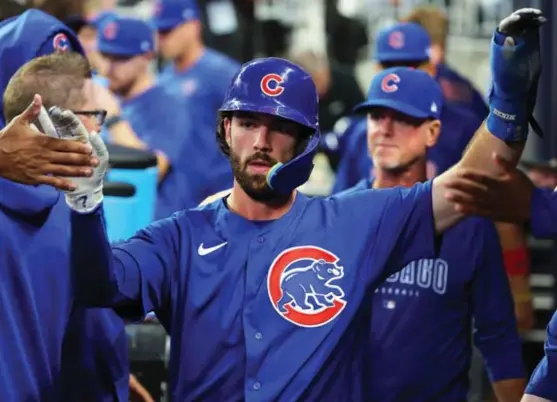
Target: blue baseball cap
[(62, 41), (168, 14), (125, 36), (404, 41), (408, 91)]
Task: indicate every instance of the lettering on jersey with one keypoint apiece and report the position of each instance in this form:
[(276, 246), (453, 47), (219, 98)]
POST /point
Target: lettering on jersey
[(61, 43), (110, 30), (271, 85), (301, 286), (396, 40), (389, 83), (418, 276)]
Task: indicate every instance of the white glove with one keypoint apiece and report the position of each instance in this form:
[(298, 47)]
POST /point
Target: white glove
[(88, 194)]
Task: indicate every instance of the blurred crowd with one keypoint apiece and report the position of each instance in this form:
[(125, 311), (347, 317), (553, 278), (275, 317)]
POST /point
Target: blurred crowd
[(162, 70)]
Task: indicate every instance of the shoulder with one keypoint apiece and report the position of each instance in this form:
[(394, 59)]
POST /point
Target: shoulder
[(219, 62)]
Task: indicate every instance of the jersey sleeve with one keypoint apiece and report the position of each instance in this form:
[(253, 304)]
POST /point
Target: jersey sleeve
[(543, 213), (542, 382), (495, 328), (394, 226), (134, 276)]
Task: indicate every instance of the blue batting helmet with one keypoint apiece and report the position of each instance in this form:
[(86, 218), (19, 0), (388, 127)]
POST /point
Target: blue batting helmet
[(280, 88)]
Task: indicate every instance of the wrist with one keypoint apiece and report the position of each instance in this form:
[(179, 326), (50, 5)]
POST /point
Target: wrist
[(85, 203)]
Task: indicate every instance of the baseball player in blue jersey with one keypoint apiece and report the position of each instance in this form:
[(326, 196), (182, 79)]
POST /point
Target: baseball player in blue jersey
[(51, 349), (408, 44), (435, 300), (456, 88), (265, 291), (201, 75), (543, 383), (161, 120)]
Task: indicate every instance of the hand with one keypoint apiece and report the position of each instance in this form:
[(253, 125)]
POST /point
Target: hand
[(28, 157), (88, 193), (515, 70), (505, 198)]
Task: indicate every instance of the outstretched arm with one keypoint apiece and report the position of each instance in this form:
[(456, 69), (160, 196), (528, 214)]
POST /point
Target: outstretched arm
[(515, 70)]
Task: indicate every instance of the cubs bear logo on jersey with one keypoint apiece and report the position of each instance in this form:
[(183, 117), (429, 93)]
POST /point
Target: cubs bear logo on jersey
[(301, 286), (61, 43), (271, 85)]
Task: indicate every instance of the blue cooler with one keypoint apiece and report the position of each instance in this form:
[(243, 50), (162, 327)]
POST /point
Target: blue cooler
[(119, 206), (138, 168)]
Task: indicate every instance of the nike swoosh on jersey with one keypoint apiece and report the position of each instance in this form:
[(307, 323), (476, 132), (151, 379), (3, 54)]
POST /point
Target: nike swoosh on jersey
[(204, 251)]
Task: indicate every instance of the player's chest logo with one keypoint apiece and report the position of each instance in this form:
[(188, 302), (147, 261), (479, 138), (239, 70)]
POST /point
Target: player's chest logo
[(303, 286)]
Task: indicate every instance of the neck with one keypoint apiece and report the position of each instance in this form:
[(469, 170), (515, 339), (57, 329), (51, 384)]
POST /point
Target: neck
[(242, 204), (406, 178), (142, 84), (187, 59)]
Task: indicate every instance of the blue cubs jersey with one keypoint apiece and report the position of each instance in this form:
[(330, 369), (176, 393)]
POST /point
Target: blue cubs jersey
[(457, 129), (543, 382), (149, 115), (460, 92), (543, 213), (440, 302), (204, 86), (261, 310)]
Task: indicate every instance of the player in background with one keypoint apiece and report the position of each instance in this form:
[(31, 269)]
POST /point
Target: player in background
[(408, 44), (52, 349), (162, 120), (93, 365), (542, 386), (264, 292), (456, 88), (439, 300), (201, 75)]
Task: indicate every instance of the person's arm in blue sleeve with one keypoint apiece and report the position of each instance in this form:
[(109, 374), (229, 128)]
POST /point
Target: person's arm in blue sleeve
[(543, 213), (495, 328), (514, 50), (134, 274), (542, 386)]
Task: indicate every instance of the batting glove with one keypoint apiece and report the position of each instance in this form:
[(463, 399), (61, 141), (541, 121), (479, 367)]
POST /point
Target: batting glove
[(88, 194), (515, 70)]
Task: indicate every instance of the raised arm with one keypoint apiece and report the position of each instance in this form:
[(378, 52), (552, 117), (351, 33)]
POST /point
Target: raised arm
[(136, 273), (515, 68)]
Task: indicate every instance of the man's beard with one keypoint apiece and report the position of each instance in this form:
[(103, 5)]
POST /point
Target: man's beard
[(255, 185)]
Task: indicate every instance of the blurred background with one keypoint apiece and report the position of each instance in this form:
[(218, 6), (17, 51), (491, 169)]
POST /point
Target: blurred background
[(334, 41)]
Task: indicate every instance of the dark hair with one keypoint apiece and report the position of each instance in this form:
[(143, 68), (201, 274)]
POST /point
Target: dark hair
[(59, 79)]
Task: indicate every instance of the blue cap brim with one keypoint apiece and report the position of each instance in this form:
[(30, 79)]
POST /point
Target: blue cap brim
[(398, 56), (401, 107), (120, 51)]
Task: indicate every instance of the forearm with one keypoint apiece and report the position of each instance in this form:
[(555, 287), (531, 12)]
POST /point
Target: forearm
[(510, 390), (102, 280), (478, 155)]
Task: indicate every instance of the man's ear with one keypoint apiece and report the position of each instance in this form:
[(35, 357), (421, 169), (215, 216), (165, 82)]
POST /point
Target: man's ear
[(433, 132), (227, 124)]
